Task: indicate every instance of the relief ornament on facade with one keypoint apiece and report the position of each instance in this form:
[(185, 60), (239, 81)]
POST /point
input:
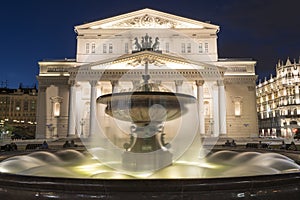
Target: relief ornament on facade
[(147, 21)]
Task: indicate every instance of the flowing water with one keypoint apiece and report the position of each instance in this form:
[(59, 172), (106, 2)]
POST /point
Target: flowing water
[(75, 164)]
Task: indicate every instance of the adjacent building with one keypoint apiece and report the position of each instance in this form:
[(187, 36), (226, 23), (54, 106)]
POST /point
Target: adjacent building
[(18, 108), (278, 101), (181, 55)]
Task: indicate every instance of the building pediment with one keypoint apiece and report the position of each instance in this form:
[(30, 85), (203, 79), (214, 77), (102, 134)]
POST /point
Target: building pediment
[(147, 18), (161, 66)]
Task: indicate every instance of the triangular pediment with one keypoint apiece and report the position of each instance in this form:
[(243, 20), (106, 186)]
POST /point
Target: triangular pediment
[(129, 61), (147, 18)]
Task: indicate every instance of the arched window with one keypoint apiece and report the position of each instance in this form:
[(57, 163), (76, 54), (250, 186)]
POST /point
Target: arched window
[(237, 108), (56, 101), (56, 109)]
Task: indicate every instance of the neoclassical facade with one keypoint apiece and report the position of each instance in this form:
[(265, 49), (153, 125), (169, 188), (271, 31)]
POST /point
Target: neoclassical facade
[(278, 101), (181, 55)]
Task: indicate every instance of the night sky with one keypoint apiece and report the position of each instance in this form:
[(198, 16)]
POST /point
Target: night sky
[(33, 30)]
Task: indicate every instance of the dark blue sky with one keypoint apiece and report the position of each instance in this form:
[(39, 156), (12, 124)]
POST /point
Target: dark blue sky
[(33, 30)]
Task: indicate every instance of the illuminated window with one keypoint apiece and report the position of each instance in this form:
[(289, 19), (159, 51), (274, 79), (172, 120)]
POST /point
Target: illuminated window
[(56, 101), (237, 108), (87, 48), (56, 109), (93, 47)]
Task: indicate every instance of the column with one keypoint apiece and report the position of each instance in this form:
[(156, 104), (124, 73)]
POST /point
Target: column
[(222, 108), (200, 101), (136, 84), (215, 122), (72, 110), (41, 113), (93, 99), (178, 85), (297, 95), (115, 86), (62, 126)]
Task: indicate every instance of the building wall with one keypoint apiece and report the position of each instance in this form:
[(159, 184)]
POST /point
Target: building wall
[(18, 108), (92, 47), (195, 45), (242, 93)]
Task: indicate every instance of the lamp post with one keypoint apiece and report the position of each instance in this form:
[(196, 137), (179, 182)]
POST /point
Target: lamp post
[(81, 125)]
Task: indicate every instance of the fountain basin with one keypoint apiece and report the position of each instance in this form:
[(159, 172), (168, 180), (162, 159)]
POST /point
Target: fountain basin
[(275, 186), (137, 107)]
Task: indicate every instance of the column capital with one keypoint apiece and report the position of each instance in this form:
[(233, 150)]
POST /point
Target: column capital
[(220, 82), (199, 82), (42, 88), (93, 83), (178, 82), (73, 83), (114, 82)]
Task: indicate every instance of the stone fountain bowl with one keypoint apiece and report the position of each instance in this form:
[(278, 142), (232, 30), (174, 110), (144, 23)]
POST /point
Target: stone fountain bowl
[(141, 107), (276, 186)]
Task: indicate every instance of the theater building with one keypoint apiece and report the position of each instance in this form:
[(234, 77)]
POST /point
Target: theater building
[(181, 55)]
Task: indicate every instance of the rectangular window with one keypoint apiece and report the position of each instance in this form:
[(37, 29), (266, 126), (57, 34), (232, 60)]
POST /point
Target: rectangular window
[(189, 48), (26, 106), (126, 48), (206, 47), (87, 47), (104, 48), (182, 48), (200, 48), (167, 47), (33, 105), (110, 48), (93, 47), (237, 108)]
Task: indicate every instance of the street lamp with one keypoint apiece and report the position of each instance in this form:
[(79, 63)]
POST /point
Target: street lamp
[(81, 125)]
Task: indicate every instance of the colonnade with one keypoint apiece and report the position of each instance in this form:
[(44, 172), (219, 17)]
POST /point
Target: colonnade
[(218, 123)]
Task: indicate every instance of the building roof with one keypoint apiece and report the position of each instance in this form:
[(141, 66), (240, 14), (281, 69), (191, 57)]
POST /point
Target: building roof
[(146, 18)]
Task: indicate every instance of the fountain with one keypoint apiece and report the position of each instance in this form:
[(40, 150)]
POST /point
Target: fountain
[(147, 109), (146, 166)]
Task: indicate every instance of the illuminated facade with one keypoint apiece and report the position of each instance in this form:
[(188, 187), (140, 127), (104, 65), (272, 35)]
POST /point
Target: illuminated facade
[(182, 55), (18, 108), (278, 103)]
